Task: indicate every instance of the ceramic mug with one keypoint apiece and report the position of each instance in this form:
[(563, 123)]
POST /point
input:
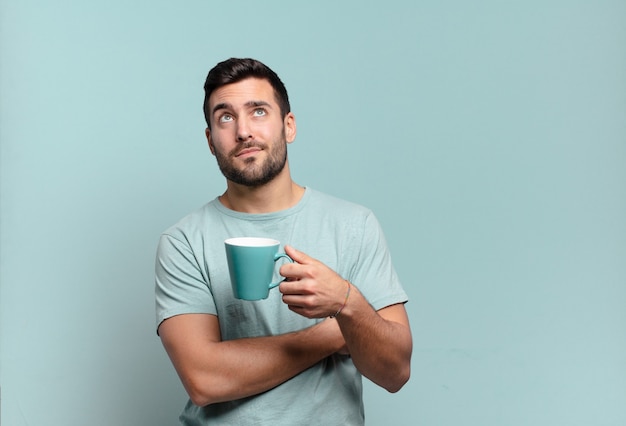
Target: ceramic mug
[(251, 263)]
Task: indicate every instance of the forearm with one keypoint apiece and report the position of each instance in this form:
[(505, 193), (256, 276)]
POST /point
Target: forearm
[(380, 347), (250, 366), (215, 371), (379, 342)]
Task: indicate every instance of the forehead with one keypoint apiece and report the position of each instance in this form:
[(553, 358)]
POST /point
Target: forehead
[(242, 92)]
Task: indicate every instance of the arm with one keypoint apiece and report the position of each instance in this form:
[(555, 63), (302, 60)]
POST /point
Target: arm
[(379, 342), (212, 370)]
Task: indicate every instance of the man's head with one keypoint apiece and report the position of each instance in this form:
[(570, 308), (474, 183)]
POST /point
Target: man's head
[(248, 122), (234, 70)]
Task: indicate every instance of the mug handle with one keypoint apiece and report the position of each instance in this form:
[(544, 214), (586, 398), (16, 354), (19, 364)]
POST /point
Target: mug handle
[(276, 257)]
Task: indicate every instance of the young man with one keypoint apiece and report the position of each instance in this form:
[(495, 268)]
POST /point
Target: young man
[(296, 357)]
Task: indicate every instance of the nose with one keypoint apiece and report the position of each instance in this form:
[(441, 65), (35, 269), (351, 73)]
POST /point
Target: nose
[(243, 131)]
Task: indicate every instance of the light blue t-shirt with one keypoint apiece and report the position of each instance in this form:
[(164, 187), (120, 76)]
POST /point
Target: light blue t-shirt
[(192, 277)]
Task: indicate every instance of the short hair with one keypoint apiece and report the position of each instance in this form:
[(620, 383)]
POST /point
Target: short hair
[(234, 70)]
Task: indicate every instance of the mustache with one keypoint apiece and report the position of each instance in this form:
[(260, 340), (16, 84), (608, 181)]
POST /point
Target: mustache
[(247, 145)]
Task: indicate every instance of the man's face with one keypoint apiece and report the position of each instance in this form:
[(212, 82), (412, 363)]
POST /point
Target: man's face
[(248, 136)]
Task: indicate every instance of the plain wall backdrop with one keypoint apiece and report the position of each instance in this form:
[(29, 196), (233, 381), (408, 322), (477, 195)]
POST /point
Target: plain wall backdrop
[(489, 138)]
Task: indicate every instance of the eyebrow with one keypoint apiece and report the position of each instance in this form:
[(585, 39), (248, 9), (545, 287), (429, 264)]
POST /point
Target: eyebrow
[(249, 104)]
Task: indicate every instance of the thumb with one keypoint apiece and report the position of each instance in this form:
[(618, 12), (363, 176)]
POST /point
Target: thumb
[(298, 256)]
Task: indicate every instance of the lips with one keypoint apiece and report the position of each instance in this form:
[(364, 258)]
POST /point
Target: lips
[(248, 151)]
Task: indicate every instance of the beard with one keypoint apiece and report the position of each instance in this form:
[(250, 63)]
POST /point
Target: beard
[(254, 174)]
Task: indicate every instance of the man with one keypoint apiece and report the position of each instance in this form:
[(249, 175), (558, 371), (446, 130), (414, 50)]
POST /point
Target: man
[(295, 358)]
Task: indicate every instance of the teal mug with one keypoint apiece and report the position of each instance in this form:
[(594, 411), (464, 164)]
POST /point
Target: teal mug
[(251, 263)]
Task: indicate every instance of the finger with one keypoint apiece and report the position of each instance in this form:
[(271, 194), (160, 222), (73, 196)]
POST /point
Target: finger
[(288, 288), (294, 288), (298, 256), (298, 305), (292, 272)]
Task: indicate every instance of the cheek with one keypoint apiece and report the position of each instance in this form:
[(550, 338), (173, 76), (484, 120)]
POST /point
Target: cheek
[(219, 140)]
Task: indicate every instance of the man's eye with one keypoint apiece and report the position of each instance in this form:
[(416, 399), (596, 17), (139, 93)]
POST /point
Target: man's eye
[(259, 112), (226, 118)]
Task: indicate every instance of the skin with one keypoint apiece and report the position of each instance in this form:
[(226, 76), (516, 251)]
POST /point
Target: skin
[(249, 138)]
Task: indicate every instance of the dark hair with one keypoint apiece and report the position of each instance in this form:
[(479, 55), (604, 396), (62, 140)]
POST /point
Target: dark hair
[(234, 70)]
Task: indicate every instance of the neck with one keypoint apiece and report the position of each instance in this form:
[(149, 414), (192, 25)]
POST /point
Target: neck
[(279, 194)]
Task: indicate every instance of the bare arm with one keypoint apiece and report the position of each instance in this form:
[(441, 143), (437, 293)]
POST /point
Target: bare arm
[(212, 370), (379, 342)]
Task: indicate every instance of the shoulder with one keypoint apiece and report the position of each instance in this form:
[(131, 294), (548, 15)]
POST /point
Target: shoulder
[(337, 205), (193, 222), (342, 217)]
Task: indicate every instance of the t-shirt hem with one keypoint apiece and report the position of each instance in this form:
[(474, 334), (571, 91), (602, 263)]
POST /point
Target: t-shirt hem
[(162, 316), (388, 301)]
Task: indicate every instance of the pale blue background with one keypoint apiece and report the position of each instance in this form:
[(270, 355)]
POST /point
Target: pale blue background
[(489, 137)]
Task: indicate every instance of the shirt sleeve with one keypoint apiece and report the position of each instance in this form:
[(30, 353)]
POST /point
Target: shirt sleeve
[(375, 275), (180, 285)]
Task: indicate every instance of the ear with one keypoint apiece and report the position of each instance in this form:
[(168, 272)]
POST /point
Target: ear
[(290, 127), (207, 132)]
